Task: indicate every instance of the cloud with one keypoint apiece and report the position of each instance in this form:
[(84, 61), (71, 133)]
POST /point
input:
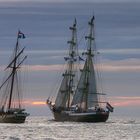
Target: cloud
[(56, 1), (109, 68), (86, 0), (125, 101), (117, 27), (126, 65), (117, 101), (38, 103), (120, 51), (44, 67), (34, 102), (35, 68)]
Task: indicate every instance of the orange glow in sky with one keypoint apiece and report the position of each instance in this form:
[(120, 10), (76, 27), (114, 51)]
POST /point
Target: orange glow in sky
[(117, 101), (38, 103), (125, 101)]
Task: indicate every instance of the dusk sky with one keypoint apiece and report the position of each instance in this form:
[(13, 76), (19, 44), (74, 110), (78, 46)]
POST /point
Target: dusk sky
[(46, 26)]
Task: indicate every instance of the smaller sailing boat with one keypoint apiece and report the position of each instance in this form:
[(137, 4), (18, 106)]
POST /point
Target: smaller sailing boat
[(81, 102), (11, 110)]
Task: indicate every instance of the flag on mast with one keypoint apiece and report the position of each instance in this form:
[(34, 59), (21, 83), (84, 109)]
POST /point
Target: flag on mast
[(109, 107), (21, 35)]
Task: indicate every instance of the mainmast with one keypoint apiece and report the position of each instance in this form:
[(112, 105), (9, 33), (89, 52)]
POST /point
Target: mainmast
[(86, 93), (89, 54), (14, 68)]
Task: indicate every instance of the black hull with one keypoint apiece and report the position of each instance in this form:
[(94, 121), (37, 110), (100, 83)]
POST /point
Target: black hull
[(82, 117), (8, 118)]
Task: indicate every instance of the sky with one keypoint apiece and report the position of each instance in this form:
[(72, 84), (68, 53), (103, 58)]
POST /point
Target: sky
[(46, 26)]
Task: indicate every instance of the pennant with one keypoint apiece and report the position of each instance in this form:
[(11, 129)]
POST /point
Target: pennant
[(109, 107), (66, 58), (81, 59), (21, 35), (75, 22), (92, 19)]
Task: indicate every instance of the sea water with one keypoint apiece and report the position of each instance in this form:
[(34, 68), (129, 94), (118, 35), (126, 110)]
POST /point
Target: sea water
[(43, 128)]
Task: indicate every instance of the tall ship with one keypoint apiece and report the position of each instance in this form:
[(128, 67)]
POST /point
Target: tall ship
[(81, 101), (11, 110)]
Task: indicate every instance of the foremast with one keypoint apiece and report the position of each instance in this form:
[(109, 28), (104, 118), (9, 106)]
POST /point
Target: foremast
[(66, 90), (73, 52), (12, 79)]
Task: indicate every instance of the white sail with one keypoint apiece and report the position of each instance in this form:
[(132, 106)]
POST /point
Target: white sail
[(78, 100), (86, 93), (86, 89), (79, 94), (65, 92), (92, 88), (62, 95)]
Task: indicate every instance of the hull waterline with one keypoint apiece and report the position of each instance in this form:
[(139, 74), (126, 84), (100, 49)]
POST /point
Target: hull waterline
[(12, 118), (81, 117)]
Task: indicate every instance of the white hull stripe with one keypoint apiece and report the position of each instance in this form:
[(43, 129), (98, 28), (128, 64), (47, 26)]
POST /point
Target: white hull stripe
[(82, 114)]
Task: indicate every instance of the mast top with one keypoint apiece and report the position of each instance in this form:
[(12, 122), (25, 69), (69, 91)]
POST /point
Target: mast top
[(90, 37), (92, 19), (74, 25)]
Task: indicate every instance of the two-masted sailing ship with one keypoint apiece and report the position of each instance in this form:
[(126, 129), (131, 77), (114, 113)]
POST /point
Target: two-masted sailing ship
[(80, 102), (11, 110)]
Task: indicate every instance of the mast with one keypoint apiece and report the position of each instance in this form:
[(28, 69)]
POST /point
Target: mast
[(12, 79), (14, 68), (86, 93), (72, 59), (89, 54), (66, 89)]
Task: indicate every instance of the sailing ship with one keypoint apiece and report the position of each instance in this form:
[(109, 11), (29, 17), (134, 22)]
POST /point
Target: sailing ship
[(80, 102), (11, 110)]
